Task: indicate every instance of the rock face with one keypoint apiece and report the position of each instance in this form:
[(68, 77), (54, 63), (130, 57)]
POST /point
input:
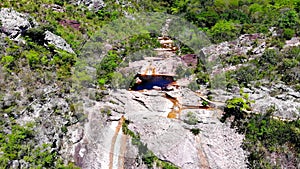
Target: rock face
[(240, 46), (217, 146), (283, 99), (13, 23), (59, 42)]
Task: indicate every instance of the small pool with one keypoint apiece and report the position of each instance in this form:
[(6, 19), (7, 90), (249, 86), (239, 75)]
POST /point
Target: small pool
[(151, 81)]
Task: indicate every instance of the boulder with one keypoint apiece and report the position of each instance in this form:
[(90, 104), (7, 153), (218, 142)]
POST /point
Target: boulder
[(57, 41), (13, 23)]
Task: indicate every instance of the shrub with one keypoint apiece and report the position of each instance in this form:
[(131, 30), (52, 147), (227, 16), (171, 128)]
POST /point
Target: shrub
[(33, 58), (204, 103), (223, 31), (202, 78), (236, 59), (107, 66), (106, 111), (288, 19), (191, 119), (8, 62), (195, 131), (237, 108), (193, 86), (288, 33)]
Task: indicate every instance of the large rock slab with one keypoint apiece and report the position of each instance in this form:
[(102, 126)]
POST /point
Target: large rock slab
[(217, 145)]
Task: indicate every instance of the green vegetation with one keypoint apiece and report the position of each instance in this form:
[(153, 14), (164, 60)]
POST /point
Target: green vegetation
[(20, 145), (106, 70), (225, 20), (191, 119), (106, 111), (273, 65), (265, 136), (195, 131), (220, 20), (107, 67), (204, 103), (194, 86)]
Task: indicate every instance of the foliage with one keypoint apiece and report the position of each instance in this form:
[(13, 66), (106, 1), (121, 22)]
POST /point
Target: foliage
[(19, 144), (8, 62), (106, 111), (224, 30), (194, 86), (288, 19), (204, 103), (288, 33), (273, 65), (191, 119), (236, 59), (195, 131), (107, 66), (237, 108), (265, 135), (139, 42), (202, 78), (182, 72)]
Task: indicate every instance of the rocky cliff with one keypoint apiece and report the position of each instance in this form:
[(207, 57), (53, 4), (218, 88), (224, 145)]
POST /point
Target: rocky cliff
[(97, 126)]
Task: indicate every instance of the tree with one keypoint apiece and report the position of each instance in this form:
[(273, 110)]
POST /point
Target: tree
[(237, 108), (224, 30), (288, 19)]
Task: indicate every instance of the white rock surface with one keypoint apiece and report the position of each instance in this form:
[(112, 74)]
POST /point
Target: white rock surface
[(14, 23), (59, 42)]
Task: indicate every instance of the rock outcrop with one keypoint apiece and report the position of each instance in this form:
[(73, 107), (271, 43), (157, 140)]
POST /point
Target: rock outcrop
[(57, 41), (249, 43), (284, 101), (13, 23), (217, 146)]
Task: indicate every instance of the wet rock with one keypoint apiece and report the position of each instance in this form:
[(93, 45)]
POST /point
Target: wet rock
[(57, 41), (14, 23)]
